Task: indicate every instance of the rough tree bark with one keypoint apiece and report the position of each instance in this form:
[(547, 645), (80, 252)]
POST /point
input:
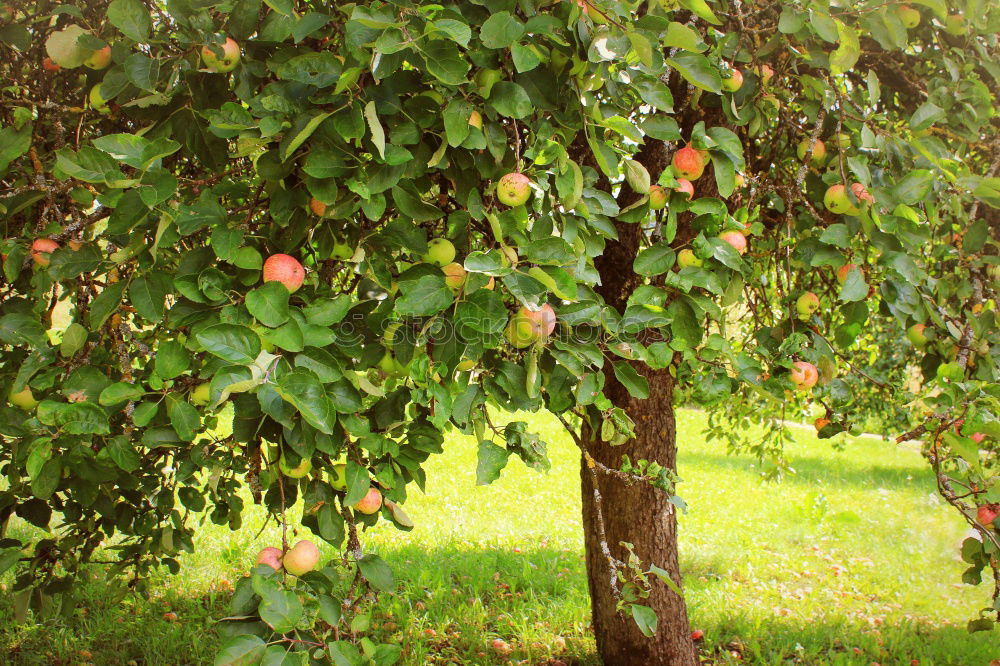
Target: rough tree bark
[(640, 515), (637, 514)]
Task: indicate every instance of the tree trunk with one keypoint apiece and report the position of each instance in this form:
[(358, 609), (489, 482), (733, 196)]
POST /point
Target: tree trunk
[(640, 515)]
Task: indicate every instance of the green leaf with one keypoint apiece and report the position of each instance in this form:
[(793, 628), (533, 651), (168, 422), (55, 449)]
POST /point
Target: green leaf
[(183, 417), (241, 650), (123, 453), (500, 30), (74, 337), (377, 572), (269, 304), (171, 359), (427, 296), (844, 58), (654, 260), (636, 384), (142, 71), (230, 342), (456, 121), (645, 619), (511, 100), (148, 295), (329, 610), (492, 459), (445, 62), (68, 264), (302, 388), (412, 206), (120, 392), (105, 304), (702, 10), (281, 609), (64, 48), (637, 176), (682, 37), (303, 128), (855, 288), (697, 70), (13, 144), (82, 418), (131, 17)]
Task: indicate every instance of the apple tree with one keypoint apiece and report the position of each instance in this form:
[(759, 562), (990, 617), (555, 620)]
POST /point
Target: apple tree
[(274, 251)]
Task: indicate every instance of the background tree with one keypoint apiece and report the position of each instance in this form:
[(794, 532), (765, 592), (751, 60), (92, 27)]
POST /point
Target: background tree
[(283, 246)]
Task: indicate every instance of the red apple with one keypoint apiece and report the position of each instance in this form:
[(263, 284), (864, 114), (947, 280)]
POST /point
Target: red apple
[(736, 239), (271, 557), (804, 375), (317, 207), (818, 151), (98, 59), (370, 503), (986, 513), (301, 558), (686, 186), (821, 423), (41, 248), (689, 163), (49, 65), (844, 270), (529, 326), (284, 269), (454, 276)]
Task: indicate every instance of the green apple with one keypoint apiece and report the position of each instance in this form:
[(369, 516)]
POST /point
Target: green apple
[(97, 102), (297, 472), (807, 304), (818, 154), (24, 398), (338, 476), (201, 394), (734, 82), (954, 24), (916, 335), (837, 201), (909, 16), (514, 189), (687, 257), (440, 252), (657, 197), (227, 61)]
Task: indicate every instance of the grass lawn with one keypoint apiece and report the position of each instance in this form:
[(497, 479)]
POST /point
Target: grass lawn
[(851, 561)]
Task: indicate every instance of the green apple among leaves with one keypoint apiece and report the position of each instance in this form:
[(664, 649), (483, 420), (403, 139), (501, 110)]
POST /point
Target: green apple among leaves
[(440, 252)]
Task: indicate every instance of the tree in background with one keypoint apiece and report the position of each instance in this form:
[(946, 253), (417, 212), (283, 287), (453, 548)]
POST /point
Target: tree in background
[(285, 246)]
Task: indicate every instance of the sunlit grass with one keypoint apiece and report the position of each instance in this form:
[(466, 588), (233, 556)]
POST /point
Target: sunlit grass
[(851, 560)]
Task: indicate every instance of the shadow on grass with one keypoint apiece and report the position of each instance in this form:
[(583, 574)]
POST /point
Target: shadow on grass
[(452, 601)]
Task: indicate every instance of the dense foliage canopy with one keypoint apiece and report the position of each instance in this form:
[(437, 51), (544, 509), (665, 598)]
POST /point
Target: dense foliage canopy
[(279, 248)]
